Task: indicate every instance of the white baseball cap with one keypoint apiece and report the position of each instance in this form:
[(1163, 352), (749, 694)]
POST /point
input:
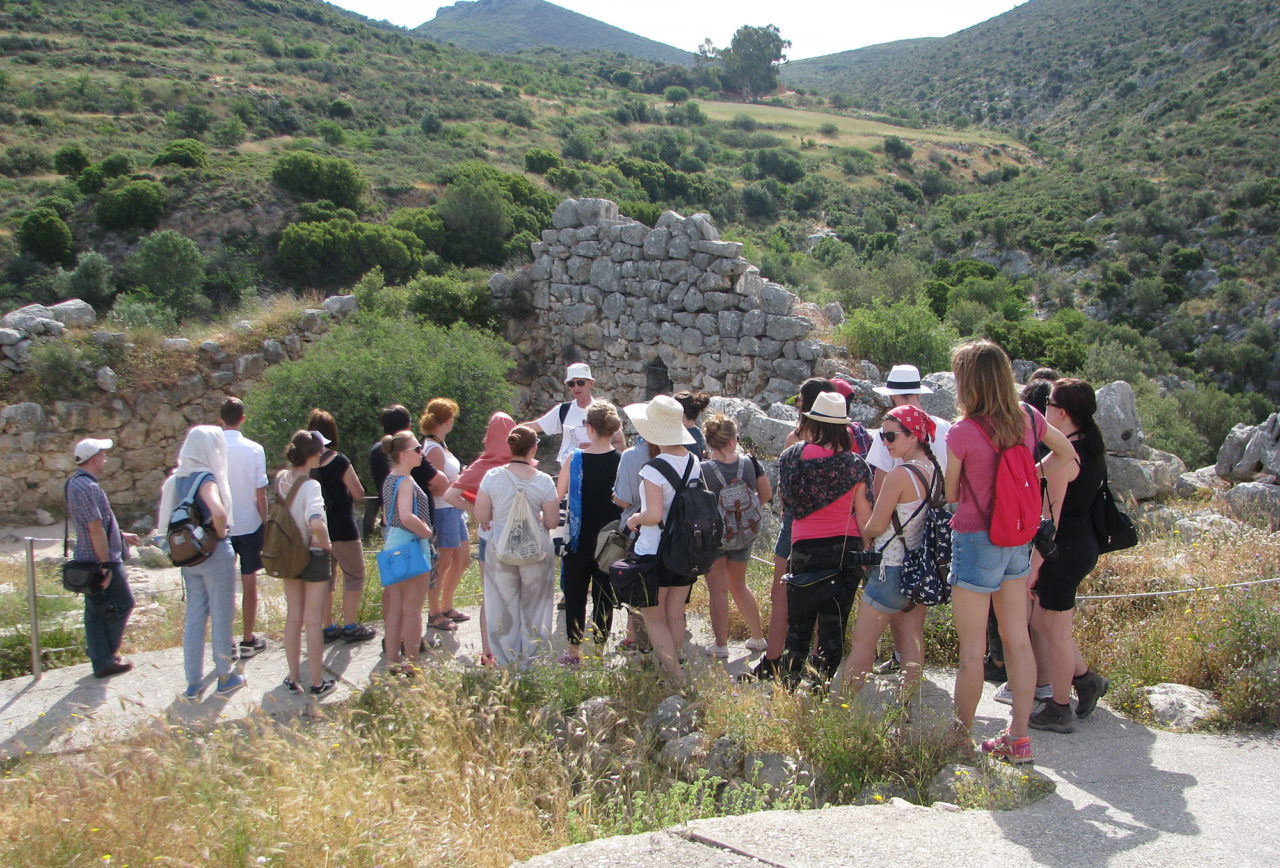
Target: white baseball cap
[(579, 371), (89, 447)]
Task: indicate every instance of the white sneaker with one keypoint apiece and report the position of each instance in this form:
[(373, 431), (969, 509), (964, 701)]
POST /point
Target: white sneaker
[(721, 651), (1044, 692), (757, 644)]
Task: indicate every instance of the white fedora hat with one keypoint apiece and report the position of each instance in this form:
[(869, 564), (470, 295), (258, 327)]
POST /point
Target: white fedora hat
[(660, 421), (904, 380), (829, 407)]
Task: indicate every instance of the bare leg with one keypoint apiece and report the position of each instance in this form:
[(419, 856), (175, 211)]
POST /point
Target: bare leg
[(743, 598), (656, 624), (855, 668), (249, 603), (393, 620), (718, 591), (295, 605), (415, 592), (453, 562), (969, 609), (316, 616), (1011, 609), (778, 613), (908, 641)]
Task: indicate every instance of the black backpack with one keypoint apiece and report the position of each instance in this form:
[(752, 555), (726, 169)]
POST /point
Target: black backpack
[(693, 529)]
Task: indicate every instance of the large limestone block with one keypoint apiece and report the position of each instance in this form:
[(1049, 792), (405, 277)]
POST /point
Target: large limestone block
[(1117, 417), (1253, 500), (74, 313)]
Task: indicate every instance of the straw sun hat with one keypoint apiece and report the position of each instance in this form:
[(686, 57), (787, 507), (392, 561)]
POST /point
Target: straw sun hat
[(660, 421), (829, 407)]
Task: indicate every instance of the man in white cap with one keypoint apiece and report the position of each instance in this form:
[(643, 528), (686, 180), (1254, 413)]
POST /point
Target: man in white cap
[(99, 538), (247, 478), (904, 386), (569, 418)]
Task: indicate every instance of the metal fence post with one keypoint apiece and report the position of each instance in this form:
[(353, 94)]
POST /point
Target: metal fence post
[(31, 606)]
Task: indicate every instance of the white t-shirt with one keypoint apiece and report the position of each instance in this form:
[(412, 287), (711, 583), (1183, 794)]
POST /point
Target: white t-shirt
[(307, 505), (878, 455), (246, 473), (452, 467), (647, 544), (573, 432), (500, 484)]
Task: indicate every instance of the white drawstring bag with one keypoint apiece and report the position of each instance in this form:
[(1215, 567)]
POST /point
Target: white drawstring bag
[(523, 539)]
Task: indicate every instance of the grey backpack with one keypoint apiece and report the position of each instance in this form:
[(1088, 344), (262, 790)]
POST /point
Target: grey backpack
[(739, 506)]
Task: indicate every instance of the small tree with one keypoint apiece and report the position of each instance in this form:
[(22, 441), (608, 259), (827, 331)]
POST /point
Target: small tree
[(228, 133), (896, 148), (171, 267), (187, 153), (676, 94), (431, 124), (540, 161), (46, 236), (312, 176), (90, 281), (750, 63), (71, 160), (135, 205), (476, 221)]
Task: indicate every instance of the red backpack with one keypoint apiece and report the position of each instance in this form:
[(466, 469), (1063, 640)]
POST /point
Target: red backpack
[(1015, 509)]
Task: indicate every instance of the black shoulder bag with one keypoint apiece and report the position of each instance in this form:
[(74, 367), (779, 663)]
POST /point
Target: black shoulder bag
[(78, 577)]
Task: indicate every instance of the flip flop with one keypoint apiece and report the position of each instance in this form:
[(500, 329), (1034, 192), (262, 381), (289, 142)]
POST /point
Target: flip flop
[(456, 616), (442, 622)]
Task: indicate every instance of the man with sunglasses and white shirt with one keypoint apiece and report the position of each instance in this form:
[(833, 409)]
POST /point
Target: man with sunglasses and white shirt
[(569, 418)]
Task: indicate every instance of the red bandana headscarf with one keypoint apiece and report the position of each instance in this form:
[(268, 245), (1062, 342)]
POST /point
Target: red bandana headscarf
[(916, 421)]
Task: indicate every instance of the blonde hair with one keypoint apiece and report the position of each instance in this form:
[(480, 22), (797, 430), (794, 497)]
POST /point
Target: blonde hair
[(985, 389), (437, 412), (394, 445), (603, 418), (720, 431)]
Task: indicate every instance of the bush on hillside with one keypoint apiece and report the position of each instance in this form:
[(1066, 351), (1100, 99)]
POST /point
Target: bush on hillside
[(135, 205), (885, 334), (169, 270), (188, 153), (422, 222), (228, 133), (89, 281), (449, 298), (333, 252), (371, 361), (71, 160), (115, 165), (540, 161), (46, 236), (313, 176)]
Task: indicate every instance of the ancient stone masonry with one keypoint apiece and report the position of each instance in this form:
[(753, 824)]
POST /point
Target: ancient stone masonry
[(654, 311), (147, 426)]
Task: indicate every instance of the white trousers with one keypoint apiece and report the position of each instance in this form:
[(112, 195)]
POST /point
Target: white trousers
[(519, 608)]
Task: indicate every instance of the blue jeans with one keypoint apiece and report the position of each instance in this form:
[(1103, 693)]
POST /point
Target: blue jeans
[(980, 566), (105, 615), (211, 596)]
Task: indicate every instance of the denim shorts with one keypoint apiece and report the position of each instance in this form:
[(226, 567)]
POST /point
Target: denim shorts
[(451, 527), (979, 566), (783, 547), (883, 591), (739, 556)]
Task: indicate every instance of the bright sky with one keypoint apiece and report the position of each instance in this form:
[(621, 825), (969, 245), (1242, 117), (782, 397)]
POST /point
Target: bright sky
[(815, 27)]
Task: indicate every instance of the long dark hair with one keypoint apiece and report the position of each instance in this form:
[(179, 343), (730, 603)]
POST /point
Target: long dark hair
[(1076, 398)]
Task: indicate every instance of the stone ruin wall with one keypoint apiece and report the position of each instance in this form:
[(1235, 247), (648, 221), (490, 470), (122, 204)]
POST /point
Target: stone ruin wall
[(147, 426), (655, 311)]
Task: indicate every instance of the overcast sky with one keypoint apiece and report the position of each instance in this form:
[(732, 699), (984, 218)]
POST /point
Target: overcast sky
[(814, 27)]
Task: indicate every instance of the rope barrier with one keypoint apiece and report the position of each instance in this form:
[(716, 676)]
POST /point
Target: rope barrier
[(1179, 590)]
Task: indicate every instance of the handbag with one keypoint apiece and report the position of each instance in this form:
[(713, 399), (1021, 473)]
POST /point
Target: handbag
[(1115, 530), (612, 545), (78, 577), (402, 557), (634, 581), (923, 576)]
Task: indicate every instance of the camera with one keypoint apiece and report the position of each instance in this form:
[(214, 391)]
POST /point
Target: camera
[(1044, 539)]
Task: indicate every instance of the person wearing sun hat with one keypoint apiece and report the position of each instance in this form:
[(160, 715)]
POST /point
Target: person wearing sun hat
[(661, 423), (825, 486), (904, 387), (568, 419), (100, 540)]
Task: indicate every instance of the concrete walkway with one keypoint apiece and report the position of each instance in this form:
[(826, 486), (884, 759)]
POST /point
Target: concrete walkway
[(1126, 794)]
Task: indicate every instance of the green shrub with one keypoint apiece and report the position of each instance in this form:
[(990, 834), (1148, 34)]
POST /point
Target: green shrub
[(676, 94), (540, 161), (340, 108), (332, 252), (188, 153), (422, 222), (896, 148), (136, 310), (447, 299), (331, 132), (23, 160), (476, 222), (228, 133), (887, 334), (430, 124), (64, 370), (45, 235), (57, 204), (91, 180), (371, 361), (829, 130), (169, 269), (135, 205), (313, 176), (115, 165), (90, 281), (71, 160), (192, 122)]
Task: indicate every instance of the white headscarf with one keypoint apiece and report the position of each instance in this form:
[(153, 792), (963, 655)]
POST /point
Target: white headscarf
[(204, 451)]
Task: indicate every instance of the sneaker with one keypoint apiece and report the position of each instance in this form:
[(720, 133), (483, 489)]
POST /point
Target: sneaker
[(230, 684), (332, 633), (1044, 692), (292, 686), (191, 694), (1016, 751), (1090, 687), (1054, 717), (357, 633), (888, 667), (757, 644), (254, 646), (719, 651), (324, 688), (119, 667)]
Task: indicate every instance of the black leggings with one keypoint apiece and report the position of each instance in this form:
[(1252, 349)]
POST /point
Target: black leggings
[(580, 576), (828, 604)]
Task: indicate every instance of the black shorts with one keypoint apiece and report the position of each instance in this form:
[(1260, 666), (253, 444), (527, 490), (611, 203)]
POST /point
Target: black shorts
[(249, 547), (318, 569), (1060, 576)]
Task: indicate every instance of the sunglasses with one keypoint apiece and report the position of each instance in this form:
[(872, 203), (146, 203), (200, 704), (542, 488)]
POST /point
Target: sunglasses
[(417, 449), (890, 436), (577, 383)]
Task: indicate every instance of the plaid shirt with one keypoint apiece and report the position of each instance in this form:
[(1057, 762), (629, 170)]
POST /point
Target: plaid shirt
[(861, 438), (86, 501)]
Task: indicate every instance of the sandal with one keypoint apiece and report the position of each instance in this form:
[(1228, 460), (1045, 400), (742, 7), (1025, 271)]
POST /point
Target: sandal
[(487, 659), (456, 616), (442, 622)]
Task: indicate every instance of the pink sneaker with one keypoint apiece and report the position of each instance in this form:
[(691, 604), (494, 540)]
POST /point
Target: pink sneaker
[(1016, 751)]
